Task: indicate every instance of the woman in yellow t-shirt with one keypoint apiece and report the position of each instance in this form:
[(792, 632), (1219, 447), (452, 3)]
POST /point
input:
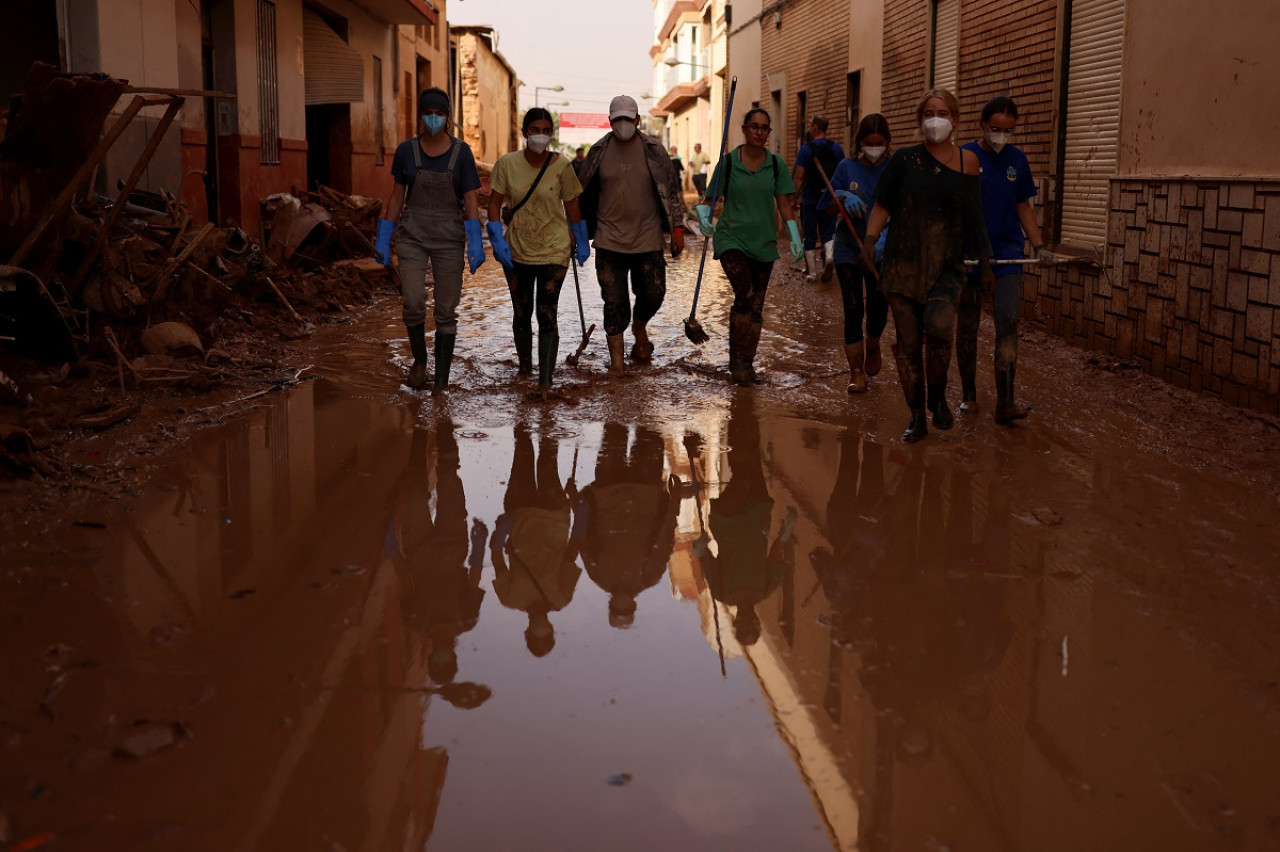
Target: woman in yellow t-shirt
[(541, 191)]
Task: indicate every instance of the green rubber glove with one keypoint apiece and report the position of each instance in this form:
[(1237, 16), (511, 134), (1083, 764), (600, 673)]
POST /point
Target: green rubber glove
[(797, 245)]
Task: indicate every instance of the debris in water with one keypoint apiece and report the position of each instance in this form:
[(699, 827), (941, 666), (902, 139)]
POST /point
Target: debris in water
[(1046, 516), (148, 738), (348, 570), (1065, 657), (242, 593), (622, 779)]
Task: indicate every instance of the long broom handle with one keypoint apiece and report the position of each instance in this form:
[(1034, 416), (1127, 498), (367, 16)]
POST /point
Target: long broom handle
[(715, 191), (573, 261), (844, 214)]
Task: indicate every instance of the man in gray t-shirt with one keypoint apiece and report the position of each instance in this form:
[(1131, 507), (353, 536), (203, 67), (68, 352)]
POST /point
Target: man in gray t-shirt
[(631, 195)]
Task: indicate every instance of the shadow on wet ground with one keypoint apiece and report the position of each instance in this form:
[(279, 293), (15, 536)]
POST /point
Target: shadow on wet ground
[(660, 612)]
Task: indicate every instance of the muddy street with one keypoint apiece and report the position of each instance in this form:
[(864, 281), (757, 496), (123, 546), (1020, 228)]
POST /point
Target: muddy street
[(657, 612)]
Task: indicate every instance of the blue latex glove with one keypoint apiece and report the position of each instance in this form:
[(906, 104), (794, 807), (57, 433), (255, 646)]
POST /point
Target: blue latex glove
[(475, 244), (501, 251), (382, 242), (853, 203), (704, 220), (884, 235), (797, 245), (581, 242)]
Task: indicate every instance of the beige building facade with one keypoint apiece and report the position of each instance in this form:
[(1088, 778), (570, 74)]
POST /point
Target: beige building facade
[(485, 105), (690, 73)]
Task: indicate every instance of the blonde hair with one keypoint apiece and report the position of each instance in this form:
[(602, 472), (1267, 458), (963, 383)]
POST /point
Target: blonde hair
[(944, 95)]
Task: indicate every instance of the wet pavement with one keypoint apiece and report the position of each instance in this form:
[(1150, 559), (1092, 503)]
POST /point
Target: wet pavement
[(659, 612)]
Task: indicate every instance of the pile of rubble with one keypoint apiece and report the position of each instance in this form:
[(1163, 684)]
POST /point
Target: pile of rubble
[(128, 287)]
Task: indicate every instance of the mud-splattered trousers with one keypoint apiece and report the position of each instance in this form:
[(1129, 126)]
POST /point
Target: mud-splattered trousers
[(535, 289), (1006, 304), (852, 281), (925, 334), (431, 233), (816, 228), (647, 271)]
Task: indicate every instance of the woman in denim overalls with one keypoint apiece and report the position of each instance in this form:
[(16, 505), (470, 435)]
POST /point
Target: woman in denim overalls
[(436, 183)]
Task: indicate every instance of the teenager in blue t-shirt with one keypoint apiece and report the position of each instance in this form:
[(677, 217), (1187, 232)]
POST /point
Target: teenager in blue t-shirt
[(855, 182), (1007, 190), (816, 227)]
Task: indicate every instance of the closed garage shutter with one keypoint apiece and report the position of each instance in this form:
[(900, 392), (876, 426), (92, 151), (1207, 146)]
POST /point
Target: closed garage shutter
[(946, 44), (1093, 119), (334, 72)]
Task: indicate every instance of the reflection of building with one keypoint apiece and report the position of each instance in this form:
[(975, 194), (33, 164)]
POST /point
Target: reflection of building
[(333, 747), (915, 659), (485, 105), (689, 67)]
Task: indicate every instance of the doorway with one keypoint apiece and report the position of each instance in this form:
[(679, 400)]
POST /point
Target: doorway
[(329, 146)]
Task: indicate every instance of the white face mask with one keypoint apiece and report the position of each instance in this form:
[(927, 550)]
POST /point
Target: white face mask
[(998, 139), (873, 152), (624, 130), (937, 129), (538, 142)]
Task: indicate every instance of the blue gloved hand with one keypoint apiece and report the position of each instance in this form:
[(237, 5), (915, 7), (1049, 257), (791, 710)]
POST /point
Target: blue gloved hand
[(853, 203), (581, 242), (501, 251), (704, 220), (382, 242), (884, 235), (475, 244), (797, 244)]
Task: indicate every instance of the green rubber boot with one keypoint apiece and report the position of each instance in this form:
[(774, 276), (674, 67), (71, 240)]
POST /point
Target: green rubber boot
[(548, 347), (444, 359), (418, 346)]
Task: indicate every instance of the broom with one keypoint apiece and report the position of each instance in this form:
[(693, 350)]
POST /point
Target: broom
[(693, 328)]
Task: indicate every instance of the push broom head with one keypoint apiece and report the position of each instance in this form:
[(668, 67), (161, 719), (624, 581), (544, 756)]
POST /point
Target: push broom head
[(693, 331)]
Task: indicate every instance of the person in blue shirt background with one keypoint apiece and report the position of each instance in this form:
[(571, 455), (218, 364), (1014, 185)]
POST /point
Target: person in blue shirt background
[(855, 182), (1007, 190), (817, 228)]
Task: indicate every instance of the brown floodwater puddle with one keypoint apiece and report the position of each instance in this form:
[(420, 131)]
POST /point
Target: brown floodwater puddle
[(353, 620)]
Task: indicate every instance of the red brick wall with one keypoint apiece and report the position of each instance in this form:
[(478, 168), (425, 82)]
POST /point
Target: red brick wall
[(812, 47)]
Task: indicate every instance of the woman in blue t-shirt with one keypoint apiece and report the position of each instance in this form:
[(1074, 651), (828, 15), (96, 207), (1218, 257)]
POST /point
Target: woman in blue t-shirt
[(855, 182), (1007, 190)]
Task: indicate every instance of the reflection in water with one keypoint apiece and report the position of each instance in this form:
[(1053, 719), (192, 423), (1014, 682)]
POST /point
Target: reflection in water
[(746, 570), (442, 593), (532, 558), (625, 521), (911, 600)]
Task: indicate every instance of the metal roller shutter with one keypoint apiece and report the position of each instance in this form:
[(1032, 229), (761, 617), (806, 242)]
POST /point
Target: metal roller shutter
[(334, 71), (946, 44), (1093, 119)]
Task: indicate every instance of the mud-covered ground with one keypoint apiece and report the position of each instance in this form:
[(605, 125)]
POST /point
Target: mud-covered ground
[(657, 611)]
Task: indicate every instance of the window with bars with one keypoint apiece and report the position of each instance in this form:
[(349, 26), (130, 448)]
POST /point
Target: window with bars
[(379, 139), (268, 85)]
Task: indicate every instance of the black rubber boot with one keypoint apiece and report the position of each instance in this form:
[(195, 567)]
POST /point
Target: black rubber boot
[(418, 346), (444, 360), (1007, 410), (548, 346), (524, 350), (739, 366), (749, 351), (918, 427), (937, 360)]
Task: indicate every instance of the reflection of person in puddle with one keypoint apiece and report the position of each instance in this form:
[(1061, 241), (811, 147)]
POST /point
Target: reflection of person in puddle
[(532, 559), (746, 570), (625, 521), (908, 595), (442, 587)]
